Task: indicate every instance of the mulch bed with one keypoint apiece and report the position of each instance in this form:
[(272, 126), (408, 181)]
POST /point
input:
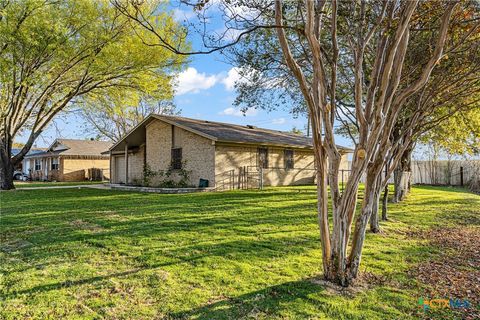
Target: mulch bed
[(456, 273)]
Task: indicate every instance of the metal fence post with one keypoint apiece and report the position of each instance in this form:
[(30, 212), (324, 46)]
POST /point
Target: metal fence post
[(461, 176)]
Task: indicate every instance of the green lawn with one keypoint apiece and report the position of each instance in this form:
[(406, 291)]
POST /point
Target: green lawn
[(93, 254), (32, 184)]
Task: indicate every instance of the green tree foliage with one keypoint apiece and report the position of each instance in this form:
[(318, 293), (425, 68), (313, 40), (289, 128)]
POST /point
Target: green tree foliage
[(458, 134), (56, 52)]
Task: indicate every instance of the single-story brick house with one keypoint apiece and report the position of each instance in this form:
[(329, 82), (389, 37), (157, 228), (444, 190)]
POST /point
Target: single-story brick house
[(227, 155), (69, 160)]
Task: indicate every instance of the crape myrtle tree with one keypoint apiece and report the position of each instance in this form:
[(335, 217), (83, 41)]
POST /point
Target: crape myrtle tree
[(380, 32), (325, 45), (55, 52), (450, 89)]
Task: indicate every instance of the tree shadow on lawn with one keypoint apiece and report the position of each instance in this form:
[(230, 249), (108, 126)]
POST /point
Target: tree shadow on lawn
[(266, 302), (173, 233), (303, 299), (250, 233)]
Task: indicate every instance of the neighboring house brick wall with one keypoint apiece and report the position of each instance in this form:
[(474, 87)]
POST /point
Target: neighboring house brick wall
[(77, 169)]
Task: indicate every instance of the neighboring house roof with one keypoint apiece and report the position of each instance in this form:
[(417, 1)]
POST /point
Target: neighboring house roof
[(32, 151), (233, 133), (74, 147)]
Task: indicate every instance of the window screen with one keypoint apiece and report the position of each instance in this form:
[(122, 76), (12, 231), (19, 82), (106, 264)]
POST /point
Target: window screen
[(263, 157), (177, 158), (288, 159)]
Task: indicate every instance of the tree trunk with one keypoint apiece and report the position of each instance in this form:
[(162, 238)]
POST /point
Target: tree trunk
[(6, 166), (361, 223), (374, 218), (384, 203), (401, 176), (401, 184)]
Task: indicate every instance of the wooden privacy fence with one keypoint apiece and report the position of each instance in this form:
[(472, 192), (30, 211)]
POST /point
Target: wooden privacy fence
[(445, 172)]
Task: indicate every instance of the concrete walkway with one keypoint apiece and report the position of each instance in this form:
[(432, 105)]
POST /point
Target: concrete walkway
[(91, 186)]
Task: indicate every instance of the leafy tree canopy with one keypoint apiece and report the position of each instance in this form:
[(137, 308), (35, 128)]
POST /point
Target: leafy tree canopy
[(56, 53)]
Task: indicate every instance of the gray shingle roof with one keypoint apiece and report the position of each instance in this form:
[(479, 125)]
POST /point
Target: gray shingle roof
[(84, 147), (226, 132), (32, 151), (74, 147)]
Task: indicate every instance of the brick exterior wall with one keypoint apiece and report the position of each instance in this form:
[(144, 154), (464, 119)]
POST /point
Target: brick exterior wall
[(77, 169), (235, 157), (197, 152), (70, 169)]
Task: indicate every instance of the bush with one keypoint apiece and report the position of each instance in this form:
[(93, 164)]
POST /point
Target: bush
[(166, 180)]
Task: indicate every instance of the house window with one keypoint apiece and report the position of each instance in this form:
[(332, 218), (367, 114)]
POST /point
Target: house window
[(55, 164), (177, 158), (288, 158), (263, 158), (38, 164)]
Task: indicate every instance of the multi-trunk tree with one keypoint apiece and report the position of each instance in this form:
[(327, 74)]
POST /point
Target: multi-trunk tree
[(55, 52), (338, 53)]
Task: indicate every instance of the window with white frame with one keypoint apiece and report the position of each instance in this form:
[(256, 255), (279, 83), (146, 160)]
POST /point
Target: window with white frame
[(54, 163), (38, 164)]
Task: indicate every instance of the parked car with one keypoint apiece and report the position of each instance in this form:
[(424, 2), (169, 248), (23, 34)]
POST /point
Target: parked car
[(18, 175)]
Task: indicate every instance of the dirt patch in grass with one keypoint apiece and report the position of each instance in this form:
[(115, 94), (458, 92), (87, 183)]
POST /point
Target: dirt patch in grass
[(85, 225), (456, 272), (365, 280), (14, 245)]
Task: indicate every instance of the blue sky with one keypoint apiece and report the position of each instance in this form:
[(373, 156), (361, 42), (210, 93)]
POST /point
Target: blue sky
[(205, 91)]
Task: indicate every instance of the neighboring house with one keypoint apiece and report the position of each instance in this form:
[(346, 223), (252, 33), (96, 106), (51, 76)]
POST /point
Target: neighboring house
[(69, 160), (33, 150), (218, 152)]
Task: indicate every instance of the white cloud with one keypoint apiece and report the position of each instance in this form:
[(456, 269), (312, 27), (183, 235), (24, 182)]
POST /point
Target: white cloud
[(239, 113), (191, 81), (182, 15), (232, 77), (279, 121)]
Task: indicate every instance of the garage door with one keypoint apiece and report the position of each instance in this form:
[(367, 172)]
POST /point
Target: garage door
[(119, 169)]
